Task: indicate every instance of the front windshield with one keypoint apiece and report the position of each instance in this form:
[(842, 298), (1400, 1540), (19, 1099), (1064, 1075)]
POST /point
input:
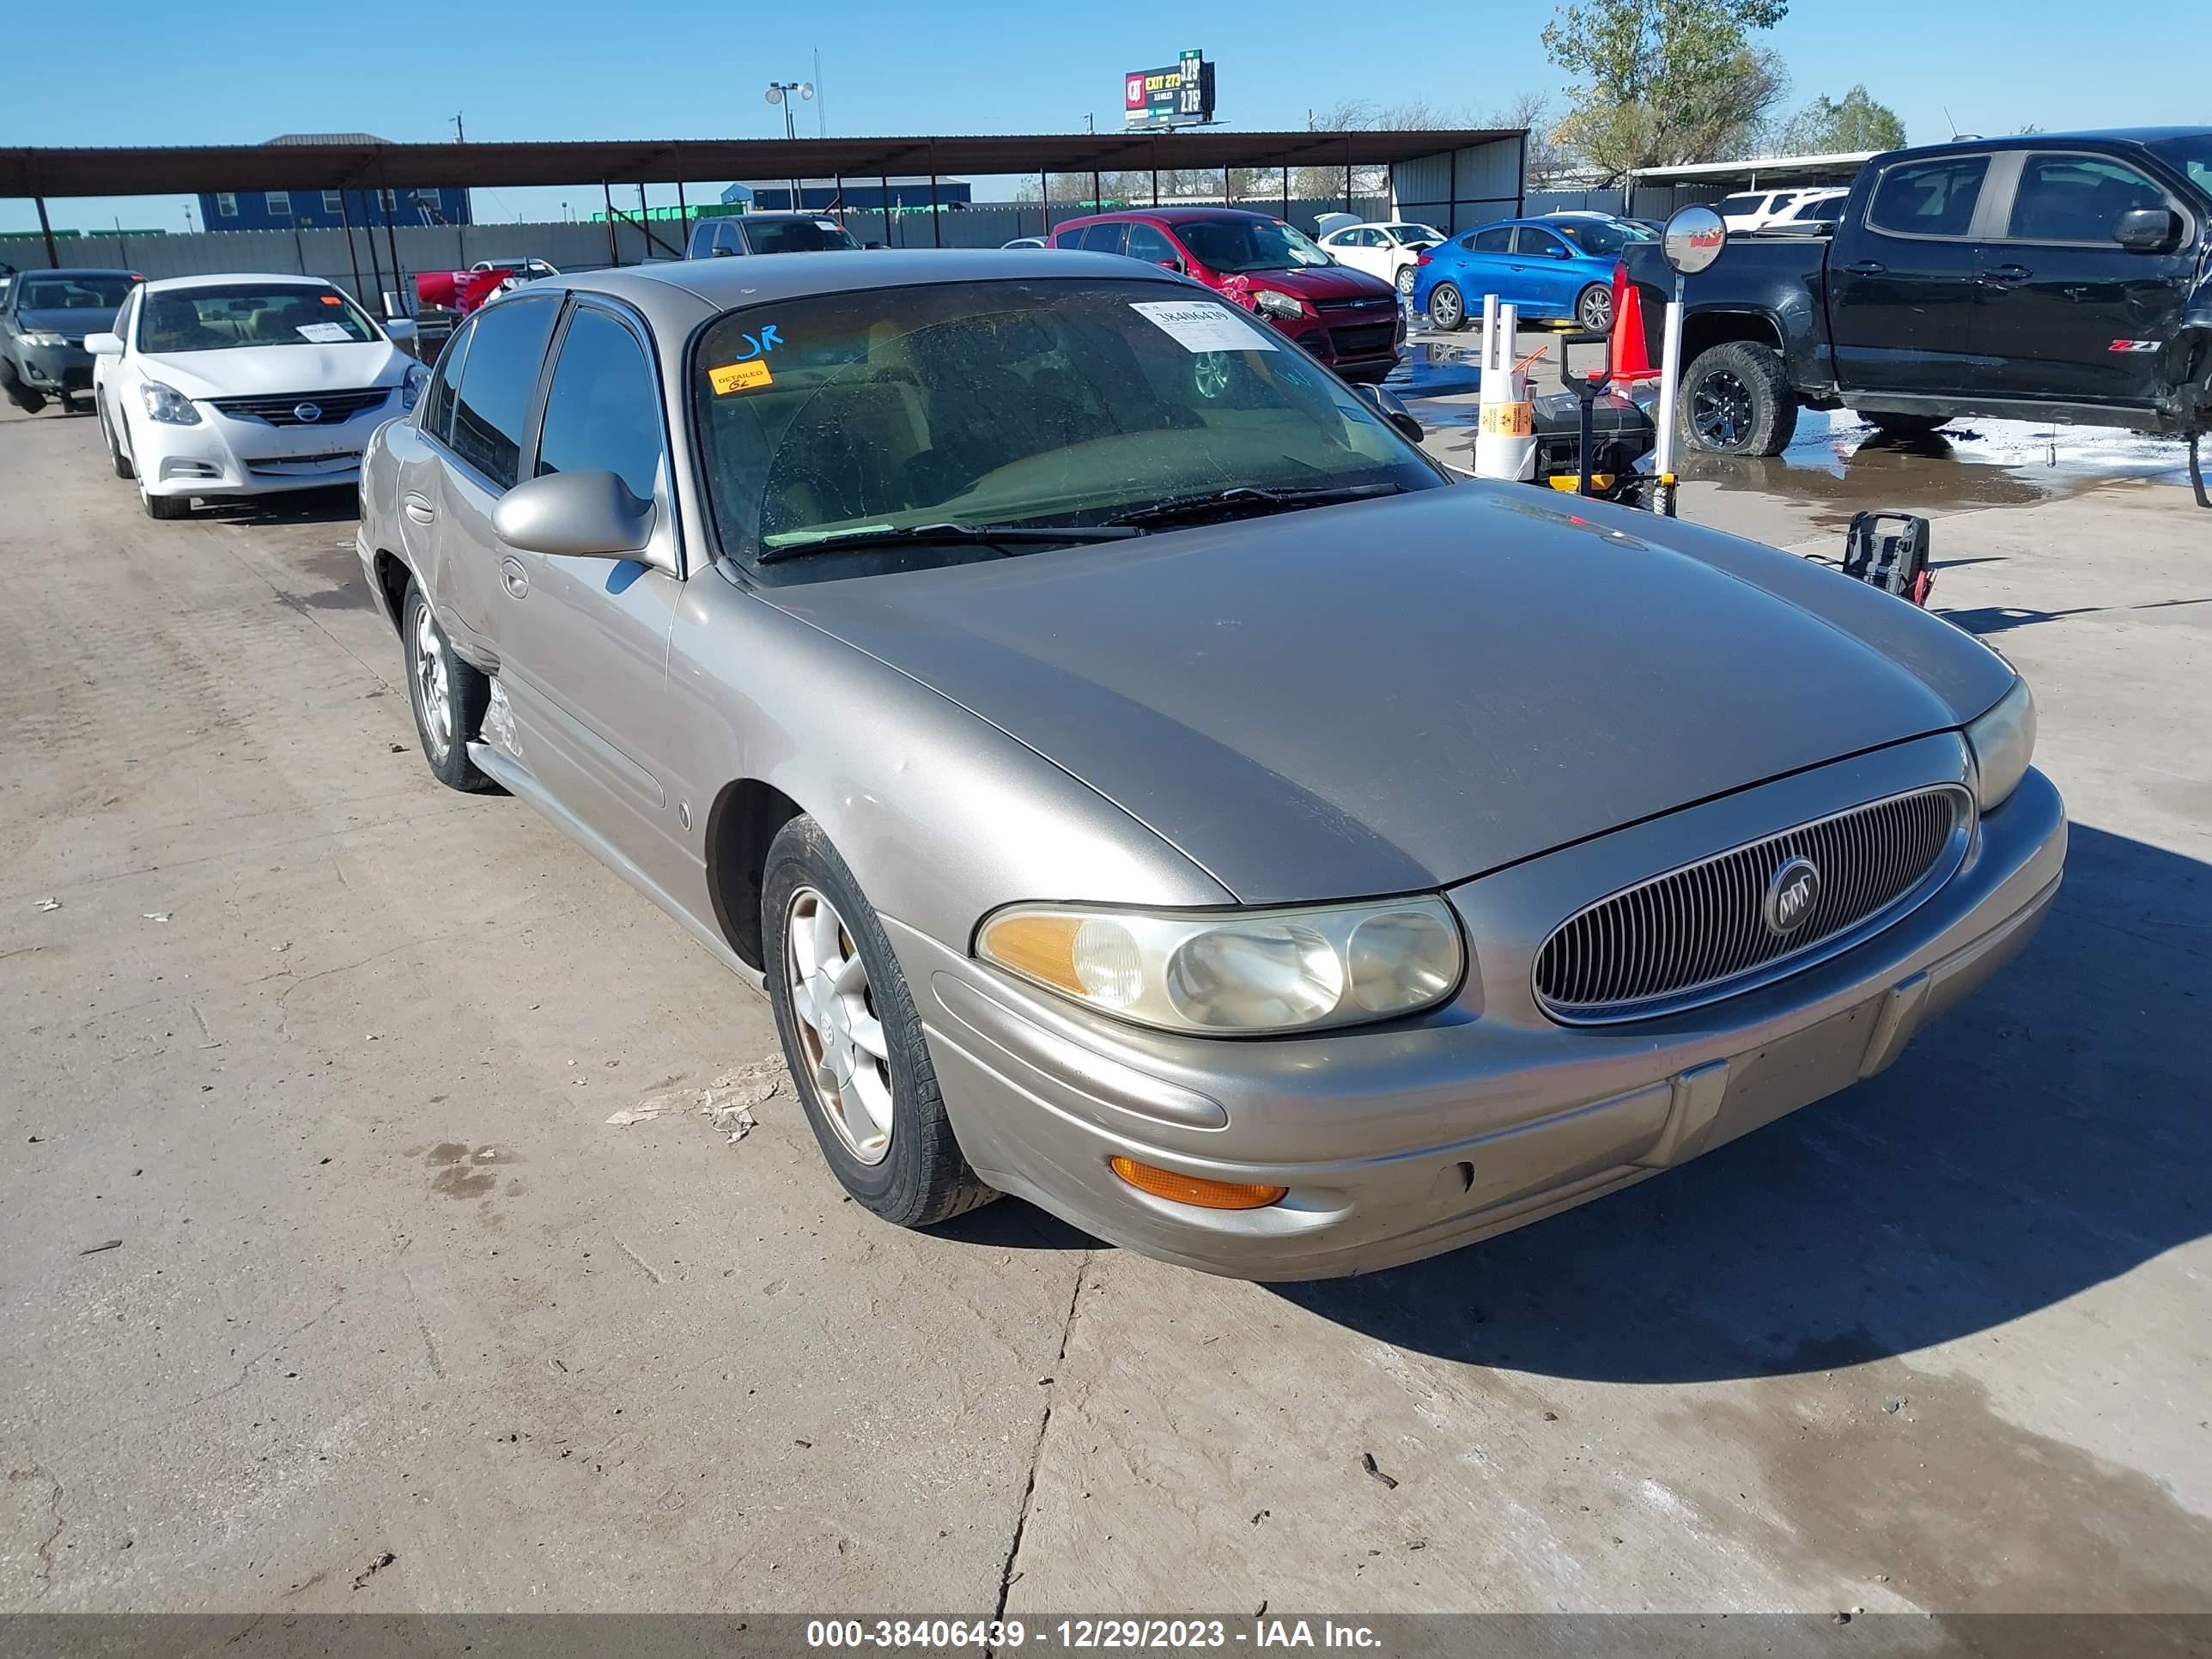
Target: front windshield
[(795, 235), (83, 290), (1037, 402), (1235, 246), (2191, 155), (1601, 237), (240, 314)]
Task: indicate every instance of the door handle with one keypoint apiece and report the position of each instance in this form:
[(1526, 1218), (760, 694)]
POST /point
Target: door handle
[(1866, 267), (513, 578), (418, 509), (2007, 274)]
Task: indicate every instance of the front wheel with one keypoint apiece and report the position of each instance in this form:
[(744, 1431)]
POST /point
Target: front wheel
[(22, 396), (1594, 308), (116, 457), (852, 1039), (1736, 400), (1447, 311), (1406, 281)]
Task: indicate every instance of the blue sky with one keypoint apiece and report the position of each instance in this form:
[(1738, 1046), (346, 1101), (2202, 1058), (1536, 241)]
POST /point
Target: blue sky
[(560, 69)]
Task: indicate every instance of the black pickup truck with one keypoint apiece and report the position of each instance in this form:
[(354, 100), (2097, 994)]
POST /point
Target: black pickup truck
[(2051, 277)]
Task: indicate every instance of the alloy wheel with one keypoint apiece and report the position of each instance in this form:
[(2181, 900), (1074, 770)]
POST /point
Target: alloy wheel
[(433, 689), (1406, 281), (1444, 307), (839, 1032), (1597, 310), (1720, 410)]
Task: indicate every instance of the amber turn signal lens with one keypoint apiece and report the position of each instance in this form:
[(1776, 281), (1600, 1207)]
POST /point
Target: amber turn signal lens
[(1195, 1189)]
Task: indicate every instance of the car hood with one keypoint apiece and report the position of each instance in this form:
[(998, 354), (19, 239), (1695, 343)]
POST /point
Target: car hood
[(1313, 283), (74, 323), (268, 370), (1394, 695)]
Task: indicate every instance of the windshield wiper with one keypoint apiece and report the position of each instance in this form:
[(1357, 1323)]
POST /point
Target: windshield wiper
[(929, 534), (1250, 498)]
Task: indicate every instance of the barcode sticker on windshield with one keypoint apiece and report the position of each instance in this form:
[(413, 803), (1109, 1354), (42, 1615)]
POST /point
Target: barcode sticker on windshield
[(324, 333), (1202, 326)]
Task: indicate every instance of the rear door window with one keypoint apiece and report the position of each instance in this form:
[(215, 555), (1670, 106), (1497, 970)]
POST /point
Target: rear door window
[(435, 416), (1928, 199), (504, 358), (1497, 239)]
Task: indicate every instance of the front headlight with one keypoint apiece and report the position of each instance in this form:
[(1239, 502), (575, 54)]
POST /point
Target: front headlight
[(1273, 302), (168, 405), (1237, 973), (44, 336), (2004, 742), (410, 389)]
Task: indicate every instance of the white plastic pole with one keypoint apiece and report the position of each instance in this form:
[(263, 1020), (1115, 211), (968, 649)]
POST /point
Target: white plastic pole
[(1670, 387)]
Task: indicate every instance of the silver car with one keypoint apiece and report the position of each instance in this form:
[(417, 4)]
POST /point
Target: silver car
[(1143, 781)]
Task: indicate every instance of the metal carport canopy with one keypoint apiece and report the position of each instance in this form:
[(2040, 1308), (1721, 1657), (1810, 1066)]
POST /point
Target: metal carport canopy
[(161, 171)]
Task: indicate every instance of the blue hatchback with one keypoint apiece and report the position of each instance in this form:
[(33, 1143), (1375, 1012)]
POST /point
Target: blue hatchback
[(1558, 267)]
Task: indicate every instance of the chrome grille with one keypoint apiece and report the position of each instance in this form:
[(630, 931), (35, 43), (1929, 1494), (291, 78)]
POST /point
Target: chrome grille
[(1700, 932), (335, 407)]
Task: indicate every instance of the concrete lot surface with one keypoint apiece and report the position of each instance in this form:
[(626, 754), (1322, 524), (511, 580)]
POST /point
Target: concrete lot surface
[(395, 1320)]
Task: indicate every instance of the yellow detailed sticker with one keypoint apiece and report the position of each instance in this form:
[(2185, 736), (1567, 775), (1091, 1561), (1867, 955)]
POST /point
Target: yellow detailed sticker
[(738, 377), (1508, 420)]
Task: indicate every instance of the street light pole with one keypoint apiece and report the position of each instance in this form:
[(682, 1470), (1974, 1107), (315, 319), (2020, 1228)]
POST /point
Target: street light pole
[(779, 92)]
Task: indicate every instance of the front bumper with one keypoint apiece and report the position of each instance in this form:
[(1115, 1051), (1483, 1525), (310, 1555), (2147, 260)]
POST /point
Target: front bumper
[(1400, 1141), (229, 455), (55, 369)]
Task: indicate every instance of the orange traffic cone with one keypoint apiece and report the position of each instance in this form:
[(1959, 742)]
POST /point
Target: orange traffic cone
[(1632, 351)]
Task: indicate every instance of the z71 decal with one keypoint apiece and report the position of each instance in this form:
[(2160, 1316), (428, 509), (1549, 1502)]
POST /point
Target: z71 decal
[(2133, 345)]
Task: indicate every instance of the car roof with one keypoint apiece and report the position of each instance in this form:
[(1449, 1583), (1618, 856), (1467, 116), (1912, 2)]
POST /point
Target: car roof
[(78, 270), (1179, 216), (228, 278), (679, 292)]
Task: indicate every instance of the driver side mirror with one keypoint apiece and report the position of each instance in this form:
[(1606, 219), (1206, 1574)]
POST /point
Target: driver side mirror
[(1174, 264), (584, 515), (2148, 230), (104, 345), (1386, 404), (401, 329)]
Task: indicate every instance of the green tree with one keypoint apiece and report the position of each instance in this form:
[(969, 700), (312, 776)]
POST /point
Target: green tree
[(1857, 123), (1661, 81)]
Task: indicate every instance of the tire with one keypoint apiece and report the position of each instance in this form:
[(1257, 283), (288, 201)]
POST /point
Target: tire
[(22, 396), (448, 696), (883, 1131), (116, 457), (1406, 281), (1447, 309), (1736, 400), (166, 506), (1891, 425), (1594, 308)]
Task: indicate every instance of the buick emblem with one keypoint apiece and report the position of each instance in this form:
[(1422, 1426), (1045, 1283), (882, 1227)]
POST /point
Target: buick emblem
[(1792, 893), (307, 414)]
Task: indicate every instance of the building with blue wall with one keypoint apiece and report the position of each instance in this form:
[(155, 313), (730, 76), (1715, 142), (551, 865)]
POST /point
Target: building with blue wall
[(314, 210)]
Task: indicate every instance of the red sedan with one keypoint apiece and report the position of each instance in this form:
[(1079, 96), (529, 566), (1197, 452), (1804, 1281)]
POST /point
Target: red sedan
[(1348, 319)]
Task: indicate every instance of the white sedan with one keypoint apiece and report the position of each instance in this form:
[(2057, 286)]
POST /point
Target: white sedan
[(1388, 250), (241, 386)]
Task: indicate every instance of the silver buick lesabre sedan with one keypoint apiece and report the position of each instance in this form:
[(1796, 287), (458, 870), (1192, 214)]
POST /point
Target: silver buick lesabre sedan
[(1143, 781)]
